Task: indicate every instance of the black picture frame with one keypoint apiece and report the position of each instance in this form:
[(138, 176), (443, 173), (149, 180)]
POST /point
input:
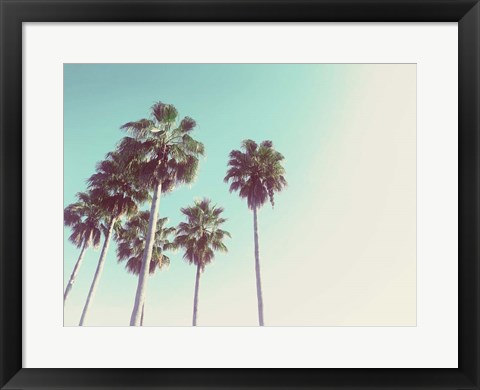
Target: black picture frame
[(15, 12)]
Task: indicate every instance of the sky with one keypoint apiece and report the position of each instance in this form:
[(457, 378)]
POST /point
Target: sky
[(339, 247)]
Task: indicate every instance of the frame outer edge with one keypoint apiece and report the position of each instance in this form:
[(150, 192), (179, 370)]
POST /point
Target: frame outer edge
[(10, 192), (11, 17), (469, 193)]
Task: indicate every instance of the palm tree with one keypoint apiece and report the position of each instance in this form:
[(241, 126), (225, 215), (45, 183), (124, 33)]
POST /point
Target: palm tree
[(168, 156), (115, 186), (200, 237), (84, 217), (257, 174), (131, 243)]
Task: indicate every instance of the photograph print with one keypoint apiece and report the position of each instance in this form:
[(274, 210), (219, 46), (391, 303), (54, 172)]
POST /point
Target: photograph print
[(239, 195)]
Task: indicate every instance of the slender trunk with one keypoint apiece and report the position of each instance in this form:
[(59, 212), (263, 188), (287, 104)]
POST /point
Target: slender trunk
[(73, 276), (147, 257), (195, 297), (98, 272), (143, 314), (257, 268)]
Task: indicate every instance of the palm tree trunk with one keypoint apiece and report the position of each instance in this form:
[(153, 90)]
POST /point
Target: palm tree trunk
[(75, 271), (195, 297), (257, 268), (147, 257), (98, 272), (143, 312)]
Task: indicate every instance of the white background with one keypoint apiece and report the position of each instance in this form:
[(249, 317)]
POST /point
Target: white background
[(432, 343)]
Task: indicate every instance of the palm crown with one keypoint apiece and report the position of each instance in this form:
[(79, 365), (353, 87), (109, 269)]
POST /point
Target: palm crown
[(84, 217), (115, 186), (131, 243), (201, 235), (163, 146), (256, 172)]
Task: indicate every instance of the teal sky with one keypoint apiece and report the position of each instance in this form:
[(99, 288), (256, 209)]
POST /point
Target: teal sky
[(308, 111)]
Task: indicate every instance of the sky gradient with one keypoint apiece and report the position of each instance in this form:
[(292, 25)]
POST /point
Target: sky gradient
[(339, 247)]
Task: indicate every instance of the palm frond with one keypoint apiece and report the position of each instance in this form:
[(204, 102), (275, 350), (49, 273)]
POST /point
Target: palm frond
[(187, 124), (138, 128)]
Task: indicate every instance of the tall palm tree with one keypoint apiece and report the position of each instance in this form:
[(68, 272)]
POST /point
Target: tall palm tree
[(256, 172), (115, 186), (131, 243), (200, 237), (168, 156), (84, 217)]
